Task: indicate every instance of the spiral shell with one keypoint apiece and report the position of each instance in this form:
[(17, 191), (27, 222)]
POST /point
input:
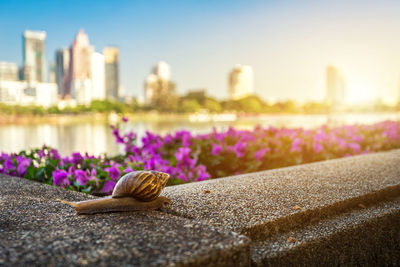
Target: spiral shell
[(141, 185)]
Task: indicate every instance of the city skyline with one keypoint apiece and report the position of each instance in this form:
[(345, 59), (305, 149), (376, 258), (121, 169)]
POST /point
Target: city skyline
[(288, 45)]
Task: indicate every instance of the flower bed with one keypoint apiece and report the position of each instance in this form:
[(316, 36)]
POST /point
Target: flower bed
[(189, 158)]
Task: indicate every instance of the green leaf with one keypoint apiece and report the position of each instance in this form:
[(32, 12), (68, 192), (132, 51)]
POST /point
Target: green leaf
[(87, 190), (40, 175), (30, 172)]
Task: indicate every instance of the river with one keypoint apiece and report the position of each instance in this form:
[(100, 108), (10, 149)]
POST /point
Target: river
[(95, 137)]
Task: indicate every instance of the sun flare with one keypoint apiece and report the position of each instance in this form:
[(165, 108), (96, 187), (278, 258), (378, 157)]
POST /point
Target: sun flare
[(360, 92)]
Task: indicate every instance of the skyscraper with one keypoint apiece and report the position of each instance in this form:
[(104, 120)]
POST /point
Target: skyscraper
[(163, 70), (98, 76), (62, 66), (158, 86), (335, 87), (111, 56), (241, 82), (34, 69), (78, 82)]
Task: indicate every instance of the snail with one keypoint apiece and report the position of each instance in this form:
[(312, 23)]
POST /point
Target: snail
[(138, 190)]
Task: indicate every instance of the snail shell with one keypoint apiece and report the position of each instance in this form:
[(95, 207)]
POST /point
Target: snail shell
[(141, 185), (137, 190)]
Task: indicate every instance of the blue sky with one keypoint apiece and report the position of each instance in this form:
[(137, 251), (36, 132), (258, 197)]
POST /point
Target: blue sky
[(288, 43)]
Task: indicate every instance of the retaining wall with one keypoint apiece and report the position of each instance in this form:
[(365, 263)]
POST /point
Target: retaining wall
[(338, 212)]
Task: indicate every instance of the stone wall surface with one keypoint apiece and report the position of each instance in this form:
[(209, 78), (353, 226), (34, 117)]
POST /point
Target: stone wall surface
[(338, 212)]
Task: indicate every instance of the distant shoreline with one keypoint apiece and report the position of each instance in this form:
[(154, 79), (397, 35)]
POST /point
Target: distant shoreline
[(84, 117), (113, 118)]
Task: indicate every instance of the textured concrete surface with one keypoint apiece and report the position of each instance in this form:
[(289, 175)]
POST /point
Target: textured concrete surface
[(368, 236), (37, 230), (262, 204)]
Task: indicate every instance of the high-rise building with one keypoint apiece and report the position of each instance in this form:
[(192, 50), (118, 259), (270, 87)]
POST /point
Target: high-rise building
[(158, 85), (52, 75), (8, 71), (34, 69), (150, 87), (98, 76), (335, 87), (241, 82), (77, 84), (62, 66), (162, 70), (111, 56)]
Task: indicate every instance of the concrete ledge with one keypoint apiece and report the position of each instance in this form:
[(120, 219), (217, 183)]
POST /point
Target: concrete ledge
[(37, 230), (262, 204), (338, 212), (365, 237)]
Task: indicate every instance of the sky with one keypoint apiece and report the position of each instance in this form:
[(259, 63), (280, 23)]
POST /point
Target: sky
[(288, 43)]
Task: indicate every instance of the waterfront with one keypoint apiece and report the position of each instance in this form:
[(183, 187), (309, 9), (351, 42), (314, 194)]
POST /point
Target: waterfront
[(95, 136)]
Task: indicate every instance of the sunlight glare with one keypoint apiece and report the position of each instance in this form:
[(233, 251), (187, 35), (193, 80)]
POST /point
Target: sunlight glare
[(360, 91)]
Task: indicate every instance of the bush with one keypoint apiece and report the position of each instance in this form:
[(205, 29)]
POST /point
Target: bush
[(190, 158)]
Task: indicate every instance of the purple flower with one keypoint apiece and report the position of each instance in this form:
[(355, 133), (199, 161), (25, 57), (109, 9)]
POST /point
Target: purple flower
[(216, 149), (108, 187), (60, 178), (259, 154), (71, 170), (240, 149), (202, 173), (23, 164), (41, 153), (77, 158), (182, 177), (118, 138), (182, 153), (125, 119), (128, 169), (113, 172), (81, 177), (8, 164), (92, 176), (54, 154)]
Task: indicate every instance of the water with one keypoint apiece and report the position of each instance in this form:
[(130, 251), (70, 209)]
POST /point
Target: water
[(96, 137)]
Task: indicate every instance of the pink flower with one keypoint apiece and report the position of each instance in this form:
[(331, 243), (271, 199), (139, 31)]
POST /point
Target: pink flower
[(259, 154), (317, 147), (296, 145), (240, 149), (355, 147), (216, 149)]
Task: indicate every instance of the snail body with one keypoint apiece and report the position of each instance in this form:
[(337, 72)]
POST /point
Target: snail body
[(137, 190)]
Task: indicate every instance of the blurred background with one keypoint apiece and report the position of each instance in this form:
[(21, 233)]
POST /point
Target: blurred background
[(70, 69)]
